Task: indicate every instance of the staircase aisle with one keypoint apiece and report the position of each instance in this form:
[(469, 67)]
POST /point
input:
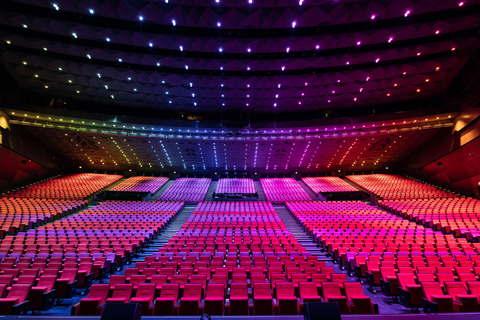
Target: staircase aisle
[(211, 190), (309, 191), (259, 190), (166, 234), (161, 190), (297, 231)]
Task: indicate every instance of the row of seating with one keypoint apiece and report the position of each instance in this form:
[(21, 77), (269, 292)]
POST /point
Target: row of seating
[(187, 190), (328, 184), (459, 216), (82, 247), (235, 186), (387, 186), (19, 214), (141, 184), (195, 298), (74, 186), (281, 190), (392, 254)]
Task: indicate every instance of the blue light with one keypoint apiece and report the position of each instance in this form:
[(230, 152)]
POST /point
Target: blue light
[(107, 39), (150, 44), (174, 22), (140, 18), (91, 11)]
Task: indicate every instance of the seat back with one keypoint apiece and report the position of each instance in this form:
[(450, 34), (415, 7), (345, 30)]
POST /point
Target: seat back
[(307, 289), (239, 290), (405, 279), (284, 289), (258, 277), (193, 290), (239, 277), (116, 279), (216, 290), (26, 280), (6, 279), (455, 288), (99, 291), (69, 274), (261, 290), (353, 289), (170, 290), (123, 291), (159, 279), (474, 287), (47, 282), (20, 292), (331, 289), (432, 289), (146, 290)]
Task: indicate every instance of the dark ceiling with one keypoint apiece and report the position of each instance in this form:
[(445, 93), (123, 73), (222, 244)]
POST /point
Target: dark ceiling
[(209, 56)]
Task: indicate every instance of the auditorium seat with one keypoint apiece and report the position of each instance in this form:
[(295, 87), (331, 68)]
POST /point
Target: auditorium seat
[(357, 301), (464, 301), (331, 293), (286, 301), (93, 304), (191, 303), (262, 299), (238, 302), (145, 294), (435, 300), (42, 296), (121, 294), (167, 302), (16, 302), (215, 298)]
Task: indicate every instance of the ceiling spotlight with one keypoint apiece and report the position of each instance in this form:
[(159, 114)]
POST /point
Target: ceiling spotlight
[(74, 35), (91, 11), (89, 56), (249, 50), (288, 49), (181, 48), (56, 6), (174, 23), (390, 39), (372, 17), (359, 43), (460, 4), (219, 24), (294, 24), (317, 46), (437, 32), (107, 39), (220, 49), (150, 44), (407, 13)]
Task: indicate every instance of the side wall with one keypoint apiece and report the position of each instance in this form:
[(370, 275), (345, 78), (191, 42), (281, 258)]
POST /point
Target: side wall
[(23, 158), (451, 158)]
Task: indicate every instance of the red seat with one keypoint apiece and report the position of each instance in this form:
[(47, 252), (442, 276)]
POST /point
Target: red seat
[(474, 288), (66, 284), (190, 302), (214, 301), (465, 302), (331, 293), (167, 302), (137, 279), (42, 296), (435, 301), (357, 301), (410, 293), (389, 281), (308, 292), (93, 304), (144, 296), (116, 279), (84, 275), (121, 294), (16, 301), (286, 301), (262, 299), (238, 303)]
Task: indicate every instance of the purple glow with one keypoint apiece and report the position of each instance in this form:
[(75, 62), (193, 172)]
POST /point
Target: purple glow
[(373, 16)]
